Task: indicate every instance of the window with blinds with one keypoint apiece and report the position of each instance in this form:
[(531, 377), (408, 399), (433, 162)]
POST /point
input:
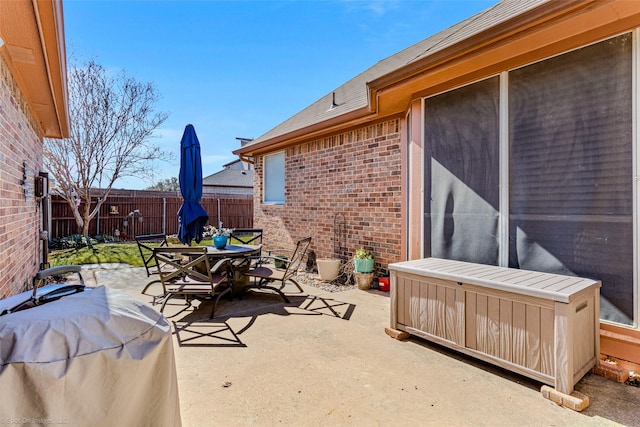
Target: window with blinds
[(274, 178), (570, 120), (570, 171), (462, 173)]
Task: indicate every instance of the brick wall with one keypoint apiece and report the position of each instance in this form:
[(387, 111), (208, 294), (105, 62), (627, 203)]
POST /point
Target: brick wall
[(356, 174), (20, 250)]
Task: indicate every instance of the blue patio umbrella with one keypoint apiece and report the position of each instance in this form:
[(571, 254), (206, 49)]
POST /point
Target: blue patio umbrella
[(191, 217)]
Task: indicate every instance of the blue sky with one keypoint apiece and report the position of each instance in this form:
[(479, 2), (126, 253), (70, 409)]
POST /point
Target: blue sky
[(239, 68)]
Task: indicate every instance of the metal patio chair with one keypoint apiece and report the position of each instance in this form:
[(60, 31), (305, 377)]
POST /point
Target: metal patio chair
[(248, 236), (186, 272), (146, 243), (266, 273)]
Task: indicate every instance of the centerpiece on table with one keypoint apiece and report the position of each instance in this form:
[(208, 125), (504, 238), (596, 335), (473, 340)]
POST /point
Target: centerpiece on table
[(220, 235)]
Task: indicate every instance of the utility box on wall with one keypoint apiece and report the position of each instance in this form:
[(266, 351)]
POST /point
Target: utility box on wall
[(41, 185), (540, 325)]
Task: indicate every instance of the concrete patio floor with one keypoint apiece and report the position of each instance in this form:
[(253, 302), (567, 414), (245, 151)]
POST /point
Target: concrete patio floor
[(325, 360)]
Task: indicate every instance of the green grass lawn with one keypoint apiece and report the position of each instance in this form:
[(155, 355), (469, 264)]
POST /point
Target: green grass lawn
[(102, 253)]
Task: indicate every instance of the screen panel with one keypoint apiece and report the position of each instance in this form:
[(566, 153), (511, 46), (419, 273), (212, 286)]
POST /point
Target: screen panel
[(571, 169), (462, 173)]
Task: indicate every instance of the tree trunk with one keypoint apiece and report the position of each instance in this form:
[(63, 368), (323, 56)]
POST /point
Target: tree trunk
[(80, 223), (85, 228), (90, 214)]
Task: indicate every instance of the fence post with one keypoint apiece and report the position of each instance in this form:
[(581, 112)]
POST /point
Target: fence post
[(98, 221), (49, 216), (164, 215)]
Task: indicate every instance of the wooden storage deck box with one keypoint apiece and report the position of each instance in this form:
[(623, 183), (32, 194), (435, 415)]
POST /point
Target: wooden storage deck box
[(544, 326)]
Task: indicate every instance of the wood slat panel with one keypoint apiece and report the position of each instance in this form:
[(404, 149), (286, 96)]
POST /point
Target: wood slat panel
[(471, 316), (527, 280), (424, 305), (460, 319), (451, 314), (502, 275), (493, 326), (557, 285), (519, 333), (525, 277), (584, 327), (564, 368), (414, 303), (533, 337), (433, 309), (506, 330), (441, 310), (481, 323), (402, 299), (547, 343)]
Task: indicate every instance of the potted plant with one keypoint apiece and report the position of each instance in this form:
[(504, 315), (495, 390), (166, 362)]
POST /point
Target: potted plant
[(363, 261), (220, 235)]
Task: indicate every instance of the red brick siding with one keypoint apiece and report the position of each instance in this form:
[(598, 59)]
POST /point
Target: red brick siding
[(20, 250), (356, 173)]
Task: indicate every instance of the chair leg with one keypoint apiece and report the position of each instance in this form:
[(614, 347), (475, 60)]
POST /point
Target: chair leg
[(166, 299), (264, 284), (149, 284), (297, 284), (215, 303)]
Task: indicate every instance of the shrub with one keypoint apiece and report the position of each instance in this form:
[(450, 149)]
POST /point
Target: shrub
[(75, 241)]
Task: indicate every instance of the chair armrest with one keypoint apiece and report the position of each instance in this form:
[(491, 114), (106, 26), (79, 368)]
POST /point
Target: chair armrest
[(42, 275), (276, 252), (273, 258), (56, 271), (220, 263)]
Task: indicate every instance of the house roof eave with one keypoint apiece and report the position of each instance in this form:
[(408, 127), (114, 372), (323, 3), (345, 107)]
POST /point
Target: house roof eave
[(315, 130), (553, 32), (34, 50), (517, 24)]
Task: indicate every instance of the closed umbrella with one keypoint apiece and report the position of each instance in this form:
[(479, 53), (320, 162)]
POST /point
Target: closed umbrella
[(191, 217)]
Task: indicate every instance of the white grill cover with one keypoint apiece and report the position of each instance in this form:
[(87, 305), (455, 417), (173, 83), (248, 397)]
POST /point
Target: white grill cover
[(97, 358)]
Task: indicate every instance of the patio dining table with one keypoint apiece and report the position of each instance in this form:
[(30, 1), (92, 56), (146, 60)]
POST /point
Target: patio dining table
[(233, 251), (238, 252)]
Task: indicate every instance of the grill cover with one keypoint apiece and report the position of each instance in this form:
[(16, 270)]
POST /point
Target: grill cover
[(98, 357)]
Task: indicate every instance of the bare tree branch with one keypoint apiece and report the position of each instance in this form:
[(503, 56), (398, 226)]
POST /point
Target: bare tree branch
[(112, 118)]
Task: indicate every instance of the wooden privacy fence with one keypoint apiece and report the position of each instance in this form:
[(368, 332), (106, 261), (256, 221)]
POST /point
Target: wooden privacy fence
[(151, 212)]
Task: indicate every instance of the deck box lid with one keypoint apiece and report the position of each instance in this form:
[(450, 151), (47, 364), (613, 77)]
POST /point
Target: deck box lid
[(556, 287)]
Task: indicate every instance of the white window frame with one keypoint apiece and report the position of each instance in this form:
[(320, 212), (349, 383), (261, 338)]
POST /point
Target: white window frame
[(273, 175)]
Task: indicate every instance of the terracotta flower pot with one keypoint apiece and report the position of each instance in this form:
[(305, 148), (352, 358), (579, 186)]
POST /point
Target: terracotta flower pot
[(363, 280)]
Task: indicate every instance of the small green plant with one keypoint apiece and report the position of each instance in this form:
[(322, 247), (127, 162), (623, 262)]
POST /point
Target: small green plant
[(104, 238), (363, 253)]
